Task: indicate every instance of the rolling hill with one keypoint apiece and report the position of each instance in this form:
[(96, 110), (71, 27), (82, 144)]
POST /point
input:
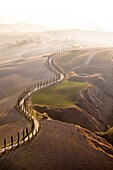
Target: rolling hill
[(61, 146), (68, 141)]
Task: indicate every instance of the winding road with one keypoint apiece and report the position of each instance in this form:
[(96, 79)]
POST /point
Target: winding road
[(23, 109)]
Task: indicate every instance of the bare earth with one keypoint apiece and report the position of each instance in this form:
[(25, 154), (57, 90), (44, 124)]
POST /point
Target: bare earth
[(58, 146)]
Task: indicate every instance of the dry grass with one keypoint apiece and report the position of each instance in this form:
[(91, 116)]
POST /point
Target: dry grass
[(73, 60), (98, 143), (108, 135), (69, 60)]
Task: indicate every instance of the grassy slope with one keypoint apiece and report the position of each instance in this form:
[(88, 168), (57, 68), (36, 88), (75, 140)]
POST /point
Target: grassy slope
[(63, 94), (71, 59)]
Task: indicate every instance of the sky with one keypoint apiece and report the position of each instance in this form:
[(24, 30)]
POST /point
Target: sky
[(85, 14)]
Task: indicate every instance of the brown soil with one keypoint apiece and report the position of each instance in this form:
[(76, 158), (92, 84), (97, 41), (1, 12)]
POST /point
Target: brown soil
[(74, 115), (13, 79), (58, 146)]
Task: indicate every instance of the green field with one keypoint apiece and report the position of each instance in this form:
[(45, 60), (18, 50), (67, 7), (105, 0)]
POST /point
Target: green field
[(62, 94)]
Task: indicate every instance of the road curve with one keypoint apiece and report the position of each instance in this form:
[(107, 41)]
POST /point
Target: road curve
[(21, 106), (88, 60)]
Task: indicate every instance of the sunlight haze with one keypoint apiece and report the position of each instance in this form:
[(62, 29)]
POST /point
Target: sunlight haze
[(85, 14)]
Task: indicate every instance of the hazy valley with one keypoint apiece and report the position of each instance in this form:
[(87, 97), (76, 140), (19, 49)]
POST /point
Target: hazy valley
[(75, 108)]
